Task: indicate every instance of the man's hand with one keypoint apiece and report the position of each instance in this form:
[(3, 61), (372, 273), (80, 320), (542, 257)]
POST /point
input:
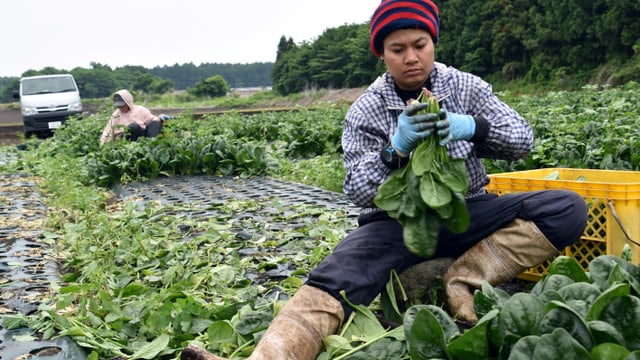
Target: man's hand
[(413, 127), (452, 127)]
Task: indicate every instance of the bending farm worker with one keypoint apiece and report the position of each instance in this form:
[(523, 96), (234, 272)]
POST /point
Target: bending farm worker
[(506, 234), (130, 120)]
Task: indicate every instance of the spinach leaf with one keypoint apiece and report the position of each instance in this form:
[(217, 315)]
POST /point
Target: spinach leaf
[(427, 194)]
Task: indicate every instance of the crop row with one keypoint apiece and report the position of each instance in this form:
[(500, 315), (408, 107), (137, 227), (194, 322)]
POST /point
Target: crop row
[(591, 129)]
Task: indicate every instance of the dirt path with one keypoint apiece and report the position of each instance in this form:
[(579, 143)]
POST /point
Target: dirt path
[(10, 127)]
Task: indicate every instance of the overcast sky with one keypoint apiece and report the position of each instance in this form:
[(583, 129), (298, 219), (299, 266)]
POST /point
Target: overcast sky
[(73, 33)]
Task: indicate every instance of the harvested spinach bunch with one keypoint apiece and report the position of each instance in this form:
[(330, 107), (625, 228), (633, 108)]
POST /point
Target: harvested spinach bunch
[(428, 192)]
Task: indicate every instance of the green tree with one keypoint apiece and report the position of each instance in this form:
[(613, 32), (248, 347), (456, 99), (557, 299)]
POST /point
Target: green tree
[(161, 86), (284, 56), (151, 84), (618, 27), (96, 83), (363, 66), (566, 41), (143, 83), (6, 91), (214, 86), (450, 46), (340, 57), (332, 59), (294, 71), (510, 36), (45, 71), (284, 45), (475, 43)]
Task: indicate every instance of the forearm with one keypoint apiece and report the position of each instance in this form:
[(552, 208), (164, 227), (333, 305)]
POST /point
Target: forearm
[(106, 134), (508, 136), (500, 132)]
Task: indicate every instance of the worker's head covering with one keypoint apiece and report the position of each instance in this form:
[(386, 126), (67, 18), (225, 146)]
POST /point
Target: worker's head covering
[(117, 100), (123, 97), (402, 14)]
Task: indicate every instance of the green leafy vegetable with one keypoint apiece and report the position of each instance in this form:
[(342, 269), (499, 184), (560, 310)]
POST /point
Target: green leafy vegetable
[(427, 193)]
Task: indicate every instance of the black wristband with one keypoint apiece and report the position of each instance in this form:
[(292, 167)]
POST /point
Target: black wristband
[(482, 131)]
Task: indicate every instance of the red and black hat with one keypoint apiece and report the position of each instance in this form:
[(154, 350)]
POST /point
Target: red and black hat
[(402, 14)]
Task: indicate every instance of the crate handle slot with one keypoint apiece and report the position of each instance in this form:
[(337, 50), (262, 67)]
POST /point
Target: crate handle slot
[(615, 216)]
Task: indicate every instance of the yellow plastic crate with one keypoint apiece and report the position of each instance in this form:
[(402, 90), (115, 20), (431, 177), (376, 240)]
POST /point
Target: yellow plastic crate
[(608, 193)]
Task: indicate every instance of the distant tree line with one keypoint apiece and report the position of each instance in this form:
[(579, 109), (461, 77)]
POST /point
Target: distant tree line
[(339, 58), (541, 41), (102, 81), (550, 42), (237, 75)]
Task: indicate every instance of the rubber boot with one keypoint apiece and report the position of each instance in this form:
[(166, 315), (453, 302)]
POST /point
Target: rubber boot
[(419, 279), (500, 257), (296, 333)]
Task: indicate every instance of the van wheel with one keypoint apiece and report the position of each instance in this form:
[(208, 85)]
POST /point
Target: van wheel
[(28, 134)]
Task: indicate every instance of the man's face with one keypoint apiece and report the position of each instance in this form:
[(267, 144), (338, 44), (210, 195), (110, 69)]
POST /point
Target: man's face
[(409, 56)]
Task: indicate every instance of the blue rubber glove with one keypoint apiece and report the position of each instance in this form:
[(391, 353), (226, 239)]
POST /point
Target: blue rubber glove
[(165, 117), (413, 127), (452, 127)]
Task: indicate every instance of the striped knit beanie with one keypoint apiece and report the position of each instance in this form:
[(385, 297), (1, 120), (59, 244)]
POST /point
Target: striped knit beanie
[(402, 14)]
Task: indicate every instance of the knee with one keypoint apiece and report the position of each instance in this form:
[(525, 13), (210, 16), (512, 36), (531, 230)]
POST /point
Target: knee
[(575, 209), (561, 215), (134, 132), (154, 128)]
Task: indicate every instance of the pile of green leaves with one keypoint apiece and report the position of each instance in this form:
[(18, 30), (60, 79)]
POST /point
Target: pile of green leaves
[(428, 192), (141, 283), (569, 314)]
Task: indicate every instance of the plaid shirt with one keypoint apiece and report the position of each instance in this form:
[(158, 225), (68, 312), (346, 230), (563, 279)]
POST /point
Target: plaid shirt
[(372, 119)]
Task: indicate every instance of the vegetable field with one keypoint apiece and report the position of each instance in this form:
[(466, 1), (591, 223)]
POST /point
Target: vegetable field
[(140, 282)]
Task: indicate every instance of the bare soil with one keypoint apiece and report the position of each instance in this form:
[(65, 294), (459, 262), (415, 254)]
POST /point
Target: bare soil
[(10, 135), (11, 121)]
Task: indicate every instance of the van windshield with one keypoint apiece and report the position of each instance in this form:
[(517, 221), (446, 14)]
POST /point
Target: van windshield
[(47, 85)]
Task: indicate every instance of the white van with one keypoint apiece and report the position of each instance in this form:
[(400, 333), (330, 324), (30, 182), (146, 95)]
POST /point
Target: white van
[(47, 101)]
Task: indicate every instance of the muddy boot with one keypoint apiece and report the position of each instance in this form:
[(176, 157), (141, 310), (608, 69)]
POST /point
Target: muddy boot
[(194, 352), (296, 333), (500, 257), (419, 279)]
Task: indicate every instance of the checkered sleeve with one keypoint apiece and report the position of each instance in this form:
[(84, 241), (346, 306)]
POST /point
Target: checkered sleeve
[(367, 126), (510, 136)]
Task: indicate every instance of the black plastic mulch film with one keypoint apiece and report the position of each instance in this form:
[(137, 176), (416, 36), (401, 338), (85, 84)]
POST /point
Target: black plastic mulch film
[(26, 267), (279, 208)]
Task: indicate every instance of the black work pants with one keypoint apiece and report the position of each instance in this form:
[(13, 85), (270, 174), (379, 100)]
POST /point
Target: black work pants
[(135, 131), (362, 262)]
